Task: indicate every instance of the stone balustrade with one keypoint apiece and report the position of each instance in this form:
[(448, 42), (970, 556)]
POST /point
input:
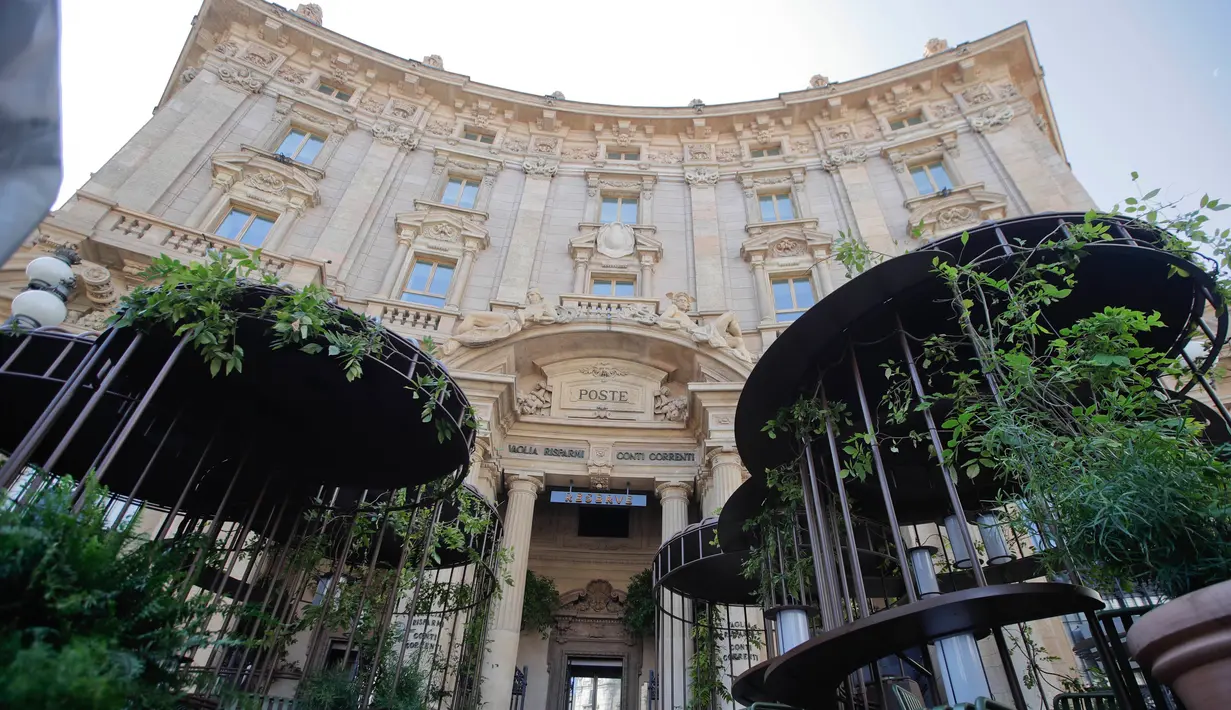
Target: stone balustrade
[(589, 306), (411, 319)]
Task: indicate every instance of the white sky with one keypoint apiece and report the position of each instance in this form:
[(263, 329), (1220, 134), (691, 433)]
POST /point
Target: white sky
[(1132, 89)]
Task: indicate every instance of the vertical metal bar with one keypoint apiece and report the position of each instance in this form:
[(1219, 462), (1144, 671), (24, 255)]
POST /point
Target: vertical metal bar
[(946, 469), (1205, 385), (192, 479), (1111, 666), (414, 598), (212, 533), (140, 409), (21, 454), (1015, 688), (20, 347), (367, 583), (826, 542), (99, 392), (840, 485), (883, 478), (819, 556), (149, 464)]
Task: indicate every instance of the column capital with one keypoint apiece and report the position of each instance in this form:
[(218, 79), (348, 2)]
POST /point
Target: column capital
[(724, 455), (523, 483), (674, 490)]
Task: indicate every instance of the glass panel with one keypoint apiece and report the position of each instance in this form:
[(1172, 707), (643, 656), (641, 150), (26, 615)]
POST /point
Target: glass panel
[(470, 191), (581, 693), (803, 293), (940, 176), (601, 288), (611, 207), (420, 274), (342, 96), (786, 210), (487, 139), (612, 155), (782, 295), (441, 279), (767, 209), (628, 211), (789, 317), (426, 300), (325, 89), (896, 125), (922, 184), (470, 136), (310, 150), (255, 235), (233, 224), (290, 144), (624, 288), (773, 151), (914, 120), (452, 190), (607, 694)]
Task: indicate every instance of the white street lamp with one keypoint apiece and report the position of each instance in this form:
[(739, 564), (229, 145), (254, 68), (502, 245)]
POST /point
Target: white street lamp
[(44, 302)]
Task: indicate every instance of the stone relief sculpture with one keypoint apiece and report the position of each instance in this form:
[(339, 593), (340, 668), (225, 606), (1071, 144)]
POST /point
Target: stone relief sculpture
[(616, 240), (673, 409), (481, 328), (536, 402)]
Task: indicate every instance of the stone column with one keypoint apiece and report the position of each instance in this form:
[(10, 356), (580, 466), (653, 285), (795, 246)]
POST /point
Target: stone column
[(353, 207), (765, 294), (397, 265), (820, 272), (527, 228), (501, 657), (217, 190), (706, 242), (674, 643), (726, 473), (647, 277), (869, 217), (461, 276), (579, 273), (282, 226)]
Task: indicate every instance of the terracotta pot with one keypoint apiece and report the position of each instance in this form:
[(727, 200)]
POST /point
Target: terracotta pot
[(1186, 643)]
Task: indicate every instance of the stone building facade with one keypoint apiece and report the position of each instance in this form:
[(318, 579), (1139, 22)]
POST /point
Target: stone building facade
[(600, 278)]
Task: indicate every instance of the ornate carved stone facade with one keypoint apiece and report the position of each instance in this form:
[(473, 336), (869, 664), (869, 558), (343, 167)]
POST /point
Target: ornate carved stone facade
[(599, 279)]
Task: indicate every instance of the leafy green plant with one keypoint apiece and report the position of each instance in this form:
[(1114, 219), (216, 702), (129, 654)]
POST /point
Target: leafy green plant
[(640, 608), (201, 301), (91, 615), (1112, 469), (538, 611)]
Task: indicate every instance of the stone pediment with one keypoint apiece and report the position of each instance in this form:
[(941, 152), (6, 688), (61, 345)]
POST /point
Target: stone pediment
[(442, 229), (616, 241), (785, 239), (265, 179), (963, 207)]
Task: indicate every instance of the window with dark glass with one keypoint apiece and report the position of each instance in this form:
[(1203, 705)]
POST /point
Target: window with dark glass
[(595, 521), (604, 286), (245, 226), (479, 137), (335, 92), (301, 145), (766, 152), (792, 296), (904, 122), (619, 209), (931, 178), (623, 154), (428, 282), (461, 192), (776, 207)]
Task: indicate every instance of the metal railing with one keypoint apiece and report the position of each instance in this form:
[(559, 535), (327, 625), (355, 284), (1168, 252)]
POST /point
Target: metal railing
[(1133, 688), (518, 699)]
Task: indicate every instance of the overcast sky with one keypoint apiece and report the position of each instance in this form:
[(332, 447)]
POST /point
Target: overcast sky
[(1135, 85)]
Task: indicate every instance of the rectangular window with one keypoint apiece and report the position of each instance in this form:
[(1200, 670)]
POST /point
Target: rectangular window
[(428, 282), (604, 286), (623, 154), (904, 122), (619, 209), (777, 207), (931, 178), (766, 152), (245, 226), (792, 296), (335, 92), (301, 145), (479, 137), (461, 192)]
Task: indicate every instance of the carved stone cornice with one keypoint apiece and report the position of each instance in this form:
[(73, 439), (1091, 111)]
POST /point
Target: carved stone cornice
[(266, 180), (961, 208), (392, 134), (701, 177), (442, 229), (992, 119), (846, 155)]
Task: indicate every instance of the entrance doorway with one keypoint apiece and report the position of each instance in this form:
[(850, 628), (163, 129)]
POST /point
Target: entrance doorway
[(595, 684)]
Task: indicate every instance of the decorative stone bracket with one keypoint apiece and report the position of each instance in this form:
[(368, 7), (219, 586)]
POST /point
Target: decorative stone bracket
[(964, 207), (615, 247)]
